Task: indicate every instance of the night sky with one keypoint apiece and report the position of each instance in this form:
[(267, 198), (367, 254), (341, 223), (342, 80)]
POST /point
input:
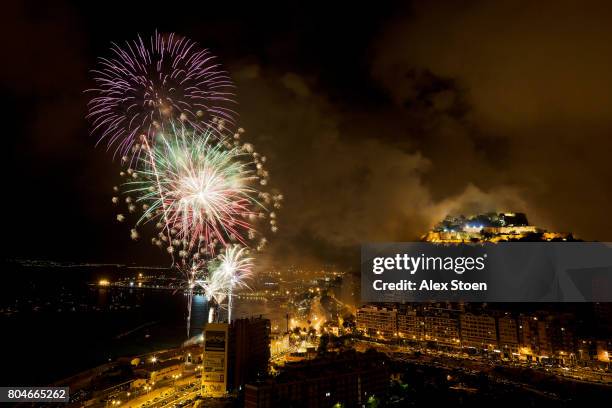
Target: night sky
[(377, 120)]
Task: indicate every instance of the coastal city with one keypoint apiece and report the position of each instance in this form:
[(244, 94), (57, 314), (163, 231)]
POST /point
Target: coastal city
[(306, 204), (315, 335)]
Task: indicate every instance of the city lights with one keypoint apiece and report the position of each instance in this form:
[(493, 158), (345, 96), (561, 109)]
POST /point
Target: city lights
[(258, 205)]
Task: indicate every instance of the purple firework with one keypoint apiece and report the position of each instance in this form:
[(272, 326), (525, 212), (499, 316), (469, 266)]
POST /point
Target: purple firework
[(142, 86)]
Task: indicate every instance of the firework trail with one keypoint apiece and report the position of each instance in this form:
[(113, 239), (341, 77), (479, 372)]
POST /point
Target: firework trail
[(145, 84), (192, 273)]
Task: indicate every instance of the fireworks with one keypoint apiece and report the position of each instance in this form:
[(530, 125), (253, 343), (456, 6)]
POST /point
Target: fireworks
[(232, 268), (165, 108), (144, 84), (199, 191)]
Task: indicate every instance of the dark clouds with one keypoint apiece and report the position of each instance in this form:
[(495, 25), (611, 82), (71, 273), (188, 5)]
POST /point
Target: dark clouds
[(346, 176), (536, 78), (340, 187), (498, 106), (376, 122), (521, 62)]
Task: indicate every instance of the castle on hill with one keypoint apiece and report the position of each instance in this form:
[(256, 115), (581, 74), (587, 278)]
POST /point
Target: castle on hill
[(491, 227)]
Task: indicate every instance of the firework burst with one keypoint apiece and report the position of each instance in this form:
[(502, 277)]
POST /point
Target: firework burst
[(146, 83), (229, 271), (201, 192), (164, 105), (233, 266)]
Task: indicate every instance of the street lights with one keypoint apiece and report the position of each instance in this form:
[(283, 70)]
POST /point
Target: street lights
[(175, 377)]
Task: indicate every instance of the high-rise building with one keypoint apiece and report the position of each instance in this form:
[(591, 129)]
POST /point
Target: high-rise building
[(410, 325), (377, 322), (249, 351), (478, 331), (442, 328), (560, 332), (507, 336), (534, 342), (214, 360), (234, 354)]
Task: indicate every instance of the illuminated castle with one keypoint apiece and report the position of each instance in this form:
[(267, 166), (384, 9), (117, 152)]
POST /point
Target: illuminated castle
[(491, 227)]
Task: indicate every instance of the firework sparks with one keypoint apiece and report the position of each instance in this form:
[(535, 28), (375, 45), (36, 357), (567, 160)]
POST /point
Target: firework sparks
[(145, 84), (191, 274), (232, 268), (164, 106), (200, 191), (237, 267)]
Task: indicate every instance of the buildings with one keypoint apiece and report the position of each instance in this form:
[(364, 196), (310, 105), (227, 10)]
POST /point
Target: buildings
[(533, 338), (547, 337), (410, 326), (441, 327), (541, 337), (214, 360), (560, 333), (377, 322), (158, 371), (490, 227), (234, 354), (507, 335), (350, 379), (432, 324), (478, 331), (594, 352), (537, 337), (249, 351)]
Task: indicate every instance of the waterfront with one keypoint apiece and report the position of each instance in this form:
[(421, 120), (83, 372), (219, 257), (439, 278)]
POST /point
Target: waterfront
[(60, 325)]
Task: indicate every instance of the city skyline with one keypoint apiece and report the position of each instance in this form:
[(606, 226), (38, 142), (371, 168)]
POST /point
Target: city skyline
[(307, 204)]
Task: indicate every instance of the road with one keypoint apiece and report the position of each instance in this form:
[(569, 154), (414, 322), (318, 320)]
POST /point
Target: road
[(456, 360), (165, 393)]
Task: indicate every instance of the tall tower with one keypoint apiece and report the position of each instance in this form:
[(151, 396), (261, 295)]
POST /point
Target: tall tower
[(214, 360)]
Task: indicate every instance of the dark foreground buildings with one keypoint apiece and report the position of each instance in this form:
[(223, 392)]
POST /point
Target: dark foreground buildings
[(349, 379), (234, 354), (248, 352)]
